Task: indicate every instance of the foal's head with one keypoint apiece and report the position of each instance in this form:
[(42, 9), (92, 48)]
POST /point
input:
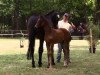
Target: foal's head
[(40, 22)]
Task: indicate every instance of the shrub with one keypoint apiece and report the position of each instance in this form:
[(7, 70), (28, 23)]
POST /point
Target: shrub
[(95, 34)]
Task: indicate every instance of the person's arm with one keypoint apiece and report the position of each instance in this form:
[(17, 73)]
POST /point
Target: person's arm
[(71, 29), (73, 26)]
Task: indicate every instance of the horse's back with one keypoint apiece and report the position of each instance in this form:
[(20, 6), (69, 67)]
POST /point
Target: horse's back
[(66, 33), (32, 21), (60, 35), (38, 33)]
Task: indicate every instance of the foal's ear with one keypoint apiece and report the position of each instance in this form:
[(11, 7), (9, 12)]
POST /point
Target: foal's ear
[(40, 16)]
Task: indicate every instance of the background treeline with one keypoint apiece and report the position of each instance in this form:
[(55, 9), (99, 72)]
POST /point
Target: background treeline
[(14, 13)]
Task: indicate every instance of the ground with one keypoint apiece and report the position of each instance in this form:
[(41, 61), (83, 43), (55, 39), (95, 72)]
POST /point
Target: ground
[(13, 60), (10, 46)]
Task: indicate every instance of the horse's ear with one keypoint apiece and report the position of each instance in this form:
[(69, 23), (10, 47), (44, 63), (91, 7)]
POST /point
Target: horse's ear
[(50, 12), (42, 17), (39, 17)]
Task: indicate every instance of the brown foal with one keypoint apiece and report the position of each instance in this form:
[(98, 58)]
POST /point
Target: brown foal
[(53, 36)]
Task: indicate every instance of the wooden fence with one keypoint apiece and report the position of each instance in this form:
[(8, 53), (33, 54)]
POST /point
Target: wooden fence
[(13, 33), (17, 33)]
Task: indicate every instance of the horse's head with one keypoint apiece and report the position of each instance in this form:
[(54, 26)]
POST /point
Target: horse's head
[(82, 28), (54, 16), (40, 22)]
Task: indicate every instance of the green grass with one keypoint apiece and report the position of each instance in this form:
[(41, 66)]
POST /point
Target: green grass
[(82, 63), (13, 60)]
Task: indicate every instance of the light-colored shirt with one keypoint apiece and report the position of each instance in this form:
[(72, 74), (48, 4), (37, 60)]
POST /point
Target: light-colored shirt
[(66, 25)]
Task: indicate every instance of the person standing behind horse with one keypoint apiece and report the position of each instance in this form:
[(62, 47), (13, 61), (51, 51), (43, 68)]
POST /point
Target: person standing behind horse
[(64, 24)]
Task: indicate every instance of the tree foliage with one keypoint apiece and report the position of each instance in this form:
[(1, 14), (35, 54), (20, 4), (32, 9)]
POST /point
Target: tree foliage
[(20, 9)]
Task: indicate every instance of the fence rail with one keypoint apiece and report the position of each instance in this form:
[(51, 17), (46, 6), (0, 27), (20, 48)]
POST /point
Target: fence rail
[(16, 33), (12, 33)]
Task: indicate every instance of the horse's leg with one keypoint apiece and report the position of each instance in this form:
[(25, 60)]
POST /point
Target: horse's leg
[(29, 49), (65, 54), (48, 51), (40, 52), (49, 54), (51, 57), (33, 62), (30, 53), (52, 48), (31, 45), (68, 53)]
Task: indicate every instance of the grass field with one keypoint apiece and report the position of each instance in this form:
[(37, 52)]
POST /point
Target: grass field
[(13, 60)]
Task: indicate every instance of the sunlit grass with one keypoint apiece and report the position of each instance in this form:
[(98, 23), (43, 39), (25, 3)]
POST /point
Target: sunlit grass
[(13, 61), (82, 63)]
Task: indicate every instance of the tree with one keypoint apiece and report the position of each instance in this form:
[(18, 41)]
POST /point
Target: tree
[(16, 14), (97, 12), (20, 9)]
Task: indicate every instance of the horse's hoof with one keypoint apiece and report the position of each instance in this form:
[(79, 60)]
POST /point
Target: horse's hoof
[(51, 67), (33, 66), (48, 66), (65, 65), (40, 65), (28, 58), (69, 61), (58, 61), (53, 63)]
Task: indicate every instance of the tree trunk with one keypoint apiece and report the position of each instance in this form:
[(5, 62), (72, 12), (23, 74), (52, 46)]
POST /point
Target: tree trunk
[(93, 50), (31, 5), (16, 15), (97, 12)]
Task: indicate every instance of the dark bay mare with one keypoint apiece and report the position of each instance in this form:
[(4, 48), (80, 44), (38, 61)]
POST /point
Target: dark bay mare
[(53, 36), (39, 33)]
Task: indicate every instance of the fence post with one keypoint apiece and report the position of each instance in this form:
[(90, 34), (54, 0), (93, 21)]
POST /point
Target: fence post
[(91, 41), (21, 39), (12, 32)]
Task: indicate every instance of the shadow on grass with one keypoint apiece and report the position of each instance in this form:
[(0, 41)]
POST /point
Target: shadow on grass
[(82, 63)]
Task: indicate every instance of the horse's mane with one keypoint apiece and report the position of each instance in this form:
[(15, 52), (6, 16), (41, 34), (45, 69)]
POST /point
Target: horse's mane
[(50, 12), (46, 20)]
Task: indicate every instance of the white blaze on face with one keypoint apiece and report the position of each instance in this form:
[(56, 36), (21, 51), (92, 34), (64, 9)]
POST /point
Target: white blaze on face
[(58, 16)]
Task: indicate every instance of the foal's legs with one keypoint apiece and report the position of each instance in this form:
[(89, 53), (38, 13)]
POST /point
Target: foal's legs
[(52, 48), (40, 51), (51, 58), (49, 54), (66, 54)]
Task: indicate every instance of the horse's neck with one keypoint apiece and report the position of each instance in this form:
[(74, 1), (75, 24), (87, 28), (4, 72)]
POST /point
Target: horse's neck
[(47, 28)]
